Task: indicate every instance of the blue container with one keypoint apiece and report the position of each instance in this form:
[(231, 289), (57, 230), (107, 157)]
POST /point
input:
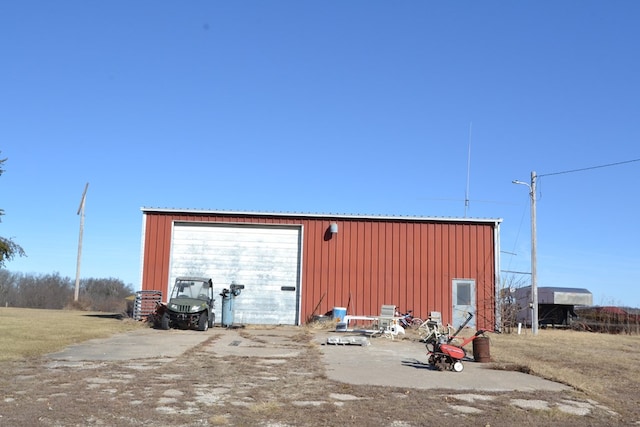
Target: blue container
[(339, 313)]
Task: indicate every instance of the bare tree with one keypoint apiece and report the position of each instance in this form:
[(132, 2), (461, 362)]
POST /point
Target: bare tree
[(50, 291), (509, 307), (105, 294), (8, 248), (7, 288)]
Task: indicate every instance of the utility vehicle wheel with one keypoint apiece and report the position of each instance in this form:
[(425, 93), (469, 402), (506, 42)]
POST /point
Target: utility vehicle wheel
[(458, 366), (203, 322), (164, 321), (212, 320)]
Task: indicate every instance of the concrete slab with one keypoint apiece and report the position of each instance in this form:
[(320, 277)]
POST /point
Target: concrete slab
[(385, 362), (403, 363), (138, 344), (270, 344)]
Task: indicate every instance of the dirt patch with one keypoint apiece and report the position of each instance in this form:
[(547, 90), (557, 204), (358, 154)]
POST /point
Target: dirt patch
[(280, 382)]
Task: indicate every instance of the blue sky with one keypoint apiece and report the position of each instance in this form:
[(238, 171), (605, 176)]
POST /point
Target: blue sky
[(359, 107)]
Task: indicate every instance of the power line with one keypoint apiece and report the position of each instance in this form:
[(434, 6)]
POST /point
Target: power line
[(589, 168), (515, 272)]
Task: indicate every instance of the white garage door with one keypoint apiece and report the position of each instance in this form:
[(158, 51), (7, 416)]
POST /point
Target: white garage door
[(263, 258)]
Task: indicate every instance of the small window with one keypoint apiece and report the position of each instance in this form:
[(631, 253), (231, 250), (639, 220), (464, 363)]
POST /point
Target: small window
[(463, 293)]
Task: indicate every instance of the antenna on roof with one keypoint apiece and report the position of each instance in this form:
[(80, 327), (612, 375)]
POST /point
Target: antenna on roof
[(466, 194)]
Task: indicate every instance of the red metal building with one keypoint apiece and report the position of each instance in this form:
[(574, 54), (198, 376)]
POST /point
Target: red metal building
[(294, 265)]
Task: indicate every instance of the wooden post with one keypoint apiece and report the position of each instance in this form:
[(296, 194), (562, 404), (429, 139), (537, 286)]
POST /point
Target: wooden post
[(81, 213)]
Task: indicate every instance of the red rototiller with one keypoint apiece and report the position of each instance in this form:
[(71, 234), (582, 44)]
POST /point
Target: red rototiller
[(443, 355)]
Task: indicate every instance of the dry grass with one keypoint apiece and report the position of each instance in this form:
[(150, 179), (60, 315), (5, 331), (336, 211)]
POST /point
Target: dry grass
[(32, 332), (602, 366)]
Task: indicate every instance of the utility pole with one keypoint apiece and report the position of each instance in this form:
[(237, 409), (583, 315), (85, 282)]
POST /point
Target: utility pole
[(534, 260), (81, 213)]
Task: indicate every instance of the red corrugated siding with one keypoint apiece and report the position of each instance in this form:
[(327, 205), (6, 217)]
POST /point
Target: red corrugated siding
[(366, 264)]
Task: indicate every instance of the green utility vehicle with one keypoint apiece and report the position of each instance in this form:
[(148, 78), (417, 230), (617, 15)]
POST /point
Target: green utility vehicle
[(191, 305)]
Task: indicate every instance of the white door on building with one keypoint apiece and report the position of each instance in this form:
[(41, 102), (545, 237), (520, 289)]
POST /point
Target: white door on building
[(464, 301), (264, 258)]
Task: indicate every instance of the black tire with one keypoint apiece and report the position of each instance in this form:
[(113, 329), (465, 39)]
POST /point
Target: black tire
[(212, 320), (203, 322), (164, 321)]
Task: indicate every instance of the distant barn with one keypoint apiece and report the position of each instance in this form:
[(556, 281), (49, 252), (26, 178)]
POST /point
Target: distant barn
[(556, 306)]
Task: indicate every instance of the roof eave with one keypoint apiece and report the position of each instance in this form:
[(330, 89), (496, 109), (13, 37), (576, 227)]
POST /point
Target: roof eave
[(320, 215)]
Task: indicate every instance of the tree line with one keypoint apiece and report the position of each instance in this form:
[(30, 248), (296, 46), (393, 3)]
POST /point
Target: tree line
[(52, 291)]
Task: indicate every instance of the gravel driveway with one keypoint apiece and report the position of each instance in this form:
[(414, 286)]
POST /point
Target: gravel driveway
[(283, 376)]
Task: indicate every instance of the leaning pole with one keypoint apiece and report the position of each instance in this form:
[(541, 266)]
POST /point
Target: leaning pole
[(81, 213)]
